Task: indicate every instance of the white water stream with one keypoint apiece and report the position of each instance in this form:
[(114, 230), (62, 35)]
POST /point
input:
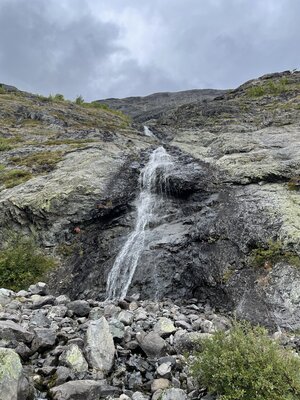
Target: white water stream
[(153, 179), (148, 131)]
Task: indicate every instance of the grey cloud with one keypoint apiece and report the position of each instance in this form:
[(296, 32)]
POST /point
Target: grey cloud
[(70, 47)]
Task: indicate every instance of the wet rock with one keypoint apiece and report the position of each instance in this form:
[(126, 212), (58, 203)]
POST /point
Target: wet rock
[(6, 296), (73, 358), (40, 301), (43, 339), (39, 319), (100, 347), (84, 389), (81, 308), (164, 370), (126, 317), (38, 288), (187, 341), (59, 311), (62, 299), (117, 329), (11, 331), (152, 344), (12, 383), (139, 396), (96, 313), (174, 394), (164, 327), (63, 374)]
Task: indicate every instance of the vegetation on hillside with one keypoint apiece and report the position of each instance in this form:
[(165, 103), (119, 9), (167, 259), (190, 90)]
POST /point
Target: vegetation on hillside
[(246, 364), (22, 263)]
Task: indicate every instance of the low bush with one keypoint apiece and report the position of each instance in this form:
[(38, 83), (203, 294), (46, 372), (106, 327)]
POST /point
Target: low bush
[(272, 253), (22, 263), (79, 100), (41, 161), (294, 183), (247, 365)]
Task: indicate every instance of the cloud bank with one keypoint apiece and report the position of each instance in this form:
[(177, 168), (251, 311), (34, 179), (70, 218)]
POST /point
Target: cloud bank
[(117, 48)]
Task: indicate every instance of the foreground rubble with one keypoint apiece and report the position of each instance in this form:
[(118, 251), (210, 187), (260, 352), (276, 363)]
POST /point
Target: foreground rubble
[(54, 348)]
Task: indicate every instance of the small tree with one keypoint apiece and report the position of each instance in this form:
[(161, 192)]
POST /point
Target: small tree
[(247, 365), (79, 100)]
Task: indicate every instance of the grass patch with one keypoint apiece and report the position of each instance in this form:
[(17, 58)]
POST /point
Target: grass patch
[(40, 162), (8, 143), (22, 263), (247, 365), (272, 87), (13, 177), (58, 97), (272, 253), (294, 183)]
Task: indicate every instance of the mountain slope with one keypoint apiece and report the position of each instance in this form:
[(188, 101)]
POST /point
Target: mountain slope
[(231, 230)]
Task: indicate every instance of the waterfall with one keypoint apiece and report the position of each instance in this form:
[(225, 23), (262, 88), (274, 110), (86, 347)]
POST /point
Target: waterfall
[(148, 132), (153, 183)]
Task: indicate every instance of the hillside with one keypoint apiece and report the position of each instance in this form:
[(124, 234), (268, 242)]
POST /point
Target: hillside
[(69, 175)]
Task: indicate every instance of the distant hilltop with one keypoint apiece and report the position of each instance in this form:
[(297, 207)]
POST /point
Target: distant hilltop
[(143, 109)]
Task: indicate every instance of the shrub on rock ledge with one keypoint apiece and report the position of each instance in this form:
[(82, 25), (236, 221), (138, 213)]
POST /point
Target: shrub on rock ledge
[(247, 365), (22, 263)]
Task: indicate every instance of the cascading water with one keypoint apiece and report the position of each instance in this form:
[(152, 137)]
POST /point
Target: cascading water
[(153, 182), (148, 131)]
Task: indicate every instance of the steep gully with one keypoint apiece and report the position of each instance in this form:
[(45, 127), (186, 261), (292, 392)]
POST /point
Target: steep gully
[(153, 186)]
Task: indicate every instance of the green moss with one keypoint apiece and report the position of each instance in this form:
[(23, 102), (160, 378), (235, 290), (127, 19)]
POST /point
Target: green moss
[(294, 183), (42, 161), (22, 263), (272, 253), (9, 143), (247, 365), (272, 87), (13, 177)]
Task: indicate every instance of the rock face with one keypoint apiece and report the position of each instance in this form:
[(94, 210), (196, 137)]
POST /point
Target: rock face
[(233, 196), (143, 109), (84, 359), (100, 345), (10, 375)]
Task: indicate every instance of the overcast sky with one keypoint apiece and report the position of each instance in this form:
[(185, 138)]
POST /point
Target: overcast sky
[(117, 48)]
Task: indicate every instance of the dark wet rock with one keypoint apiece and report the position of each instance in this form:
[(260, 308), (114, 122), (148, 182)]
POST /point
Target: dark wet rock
[(38, 288), (84, 389), (174, 394), (81, 308), (11, 330), (43, 339), (152, 344), (40, 301)]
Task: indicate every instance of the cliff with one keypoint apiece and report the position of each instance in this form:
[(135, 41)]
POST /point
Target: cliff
[(231, 227)]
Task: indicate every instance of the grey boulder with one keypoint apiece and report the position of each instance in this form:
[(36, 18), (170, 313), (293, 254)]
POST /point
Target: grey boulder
[(84, 389), (100, 347)]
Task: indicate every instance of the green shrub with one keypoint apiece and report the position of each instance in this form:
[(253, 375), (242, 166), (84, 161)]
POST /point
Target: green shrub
[(57, 97), (247, 365), (79, 100), (22, 263), (9, 143), (41, 161), (273, 252), (294, 183), (256, 91)]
